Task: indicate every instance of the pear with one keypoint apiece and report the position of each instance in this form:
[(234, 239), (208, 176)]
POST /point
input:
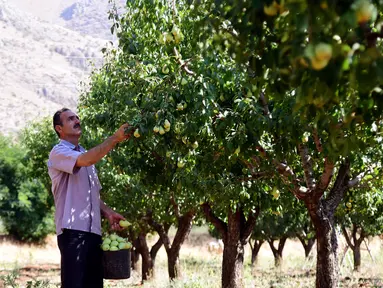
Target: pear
[(271, 10), (180, 164), (318, 64), (323, 51), (180, 107), (105, 247), (124, 223), (137, 133), (166, 124), (165, 69), (114, 243), (365, 11), (184, 81)]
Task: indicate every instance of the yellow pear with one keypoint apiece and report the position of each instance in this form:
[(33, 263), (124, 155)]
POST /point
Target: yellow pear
[(137, 133), (318, 64), (271, 10), (365, 11), (166, 124), (323, 51)]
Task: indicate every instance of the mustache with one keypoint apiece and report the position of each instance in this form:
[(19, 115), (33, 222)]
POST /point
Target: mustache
[(77, 126)]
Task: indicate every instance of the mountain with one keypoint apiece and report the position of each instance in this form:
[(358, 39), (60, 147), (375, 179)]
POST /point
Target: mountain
[(46, 48)]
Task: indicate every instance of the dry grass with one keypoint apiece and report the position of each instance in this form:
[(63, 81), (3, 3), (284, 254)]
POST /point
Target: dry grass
[(200, 268)]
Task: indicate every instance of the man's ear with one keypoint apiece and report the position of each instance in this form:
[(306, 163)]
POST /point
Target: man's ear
[(58, 128)]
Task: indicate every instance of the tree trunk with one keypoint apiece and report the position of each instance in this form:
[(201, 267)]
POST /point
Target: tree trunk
[(327, 245), (354, 243), (277, 252), (254, 252), (184, 228), (135, 257), (233, 254), (235, 235), (173, 250), (155, 248), (357, 257), (307, 246), (147, 263), (322, 211), (135, 254)]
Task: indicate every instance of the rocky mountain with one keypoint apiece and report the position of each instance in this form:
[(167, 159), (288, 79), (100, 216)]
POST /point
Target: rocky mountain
[(46, 48)]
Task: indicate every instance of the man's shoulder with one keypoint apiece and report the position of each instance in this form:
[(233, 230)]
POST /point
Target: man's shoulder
[(60, 148)]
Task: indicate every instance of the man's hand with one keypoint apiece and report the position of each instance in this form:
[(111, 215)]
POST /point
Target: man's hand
[(96, 153), (114, 219), (122, 134)]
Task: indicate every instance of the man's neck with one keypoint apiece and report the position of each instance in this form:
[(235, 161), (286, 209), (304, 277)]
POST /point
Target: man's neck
[(71, 139)]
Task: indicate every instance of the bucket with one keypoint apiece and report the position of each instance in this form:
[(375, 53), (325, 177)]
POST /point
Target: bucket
[(116, 264)]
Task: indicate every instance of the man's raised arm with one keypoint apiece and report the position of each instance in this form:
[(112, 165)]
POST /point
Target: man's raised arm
[(95, 154)]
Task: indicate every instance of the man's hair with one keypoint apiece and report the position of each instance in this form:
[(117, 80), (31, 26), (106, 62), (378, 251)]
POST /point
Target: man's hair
[(57, 119)]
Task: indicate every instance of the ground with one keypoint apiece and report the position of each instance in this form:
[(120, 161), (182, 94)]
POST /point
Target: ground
[(39, 265)]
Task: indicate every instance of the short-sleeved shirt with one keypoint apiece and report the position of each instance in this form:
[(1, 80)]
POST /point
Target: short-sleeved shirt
[(76, 190)]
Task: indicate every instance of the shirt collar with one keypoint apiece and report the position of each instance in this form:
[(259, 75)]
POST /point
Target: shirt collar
[(68, 144)]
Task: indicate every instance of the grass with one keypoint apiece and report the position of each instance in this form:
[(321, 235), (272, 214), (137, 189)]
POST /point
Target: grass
[(36, 266)]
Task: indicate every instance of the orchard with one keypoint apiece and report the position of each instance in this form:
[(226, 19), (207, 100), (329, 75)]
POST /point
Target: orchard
[(234, 101), (261, 118)]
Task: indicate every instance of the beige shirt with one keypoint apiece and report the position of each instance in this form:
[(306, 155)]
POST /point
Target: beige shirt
[(76, 190)]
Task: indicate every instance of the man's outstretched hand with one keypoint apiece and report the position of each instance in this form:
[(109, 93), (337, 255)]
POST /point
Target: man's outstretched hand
[(124, 132)]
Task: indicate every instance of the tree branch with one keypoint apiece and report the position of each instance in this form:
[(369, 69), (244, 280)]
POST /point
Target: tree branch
[(174, 8), (347, 237), (210, 216), (175, 206), (160, 230), (289, 178), (307, 166), (250, 223), (357, 179), (325, 180), (317, 141), (262, 100), (302, 240), (182, 63), (157, 245), (281, 244), (255, 176), (340, 186)]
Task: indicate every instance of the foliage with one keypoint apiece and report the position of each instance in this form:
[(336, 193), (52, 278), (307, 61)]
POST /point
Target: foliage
[(363, 206), (158, 86), (283, 222), (224, 95), (282, 49), (37, 140), (23, 200), (10, 280)]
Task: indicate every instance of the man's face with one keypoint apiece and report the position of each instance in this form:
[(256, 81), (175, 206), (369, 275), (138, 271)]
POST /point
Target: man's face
[(70, 124)]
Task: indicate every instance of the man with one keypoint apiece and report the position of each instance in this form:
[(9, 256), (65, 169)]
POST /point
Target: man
[(75, 186)]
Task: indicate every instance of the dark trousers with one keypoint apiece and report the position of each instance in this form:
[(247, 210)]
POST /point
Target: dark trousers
[(81, 259)]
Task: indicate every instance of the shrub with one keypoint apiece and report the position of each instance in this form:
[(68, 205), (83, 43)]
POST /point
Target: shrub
[(24, 201)]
